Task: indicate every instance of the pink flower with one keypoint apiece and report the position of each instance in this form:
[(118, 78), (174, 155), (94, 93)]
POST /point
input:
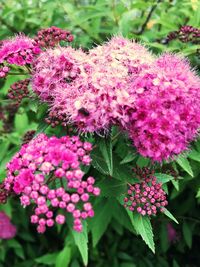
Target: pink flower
[(19, 50), (7, 229), (166, 115), (51, 156)]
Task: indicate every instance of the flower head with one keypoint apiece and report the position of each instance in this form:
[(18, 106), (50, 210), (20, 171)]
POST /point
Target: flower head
[(101, 95), (166, 115), (19, 50), (147, 196), (36, 172)]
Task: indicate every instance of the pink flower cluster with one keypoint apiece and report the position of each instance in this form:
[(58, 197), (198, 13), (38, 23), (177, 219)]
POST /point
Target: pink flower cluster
[(57, 68), (19, 50), (7, 229), (166, 115), (146, 197), (47, 173), (99, 94)]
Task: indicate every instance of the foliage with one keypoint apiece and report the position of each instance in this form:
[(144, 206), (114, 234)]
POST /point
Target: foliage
[(111, 238)]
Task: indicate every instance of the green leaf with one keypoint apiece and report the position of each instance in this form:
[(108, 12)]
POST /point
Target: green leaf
[(98, 162), (121, 172), (129, 157), (163, 178), (142, 162), (111, 187), (143, 227), (176, 184), (47, 259), (105, 146), (64, 257), (168, 214), (185, 164), (21, 122), (41, 127), (187, 234), (12, 243), (195, 155), (198, 193), (81, 240), (4, 144), (103, 215)]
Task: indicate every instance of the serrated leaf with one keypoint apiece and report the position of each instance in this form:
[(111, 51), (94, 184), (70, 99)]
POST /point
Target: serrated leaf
[(99, 224), (185, 164), (176, 184), (64, 257), (129, 157), (41, 128), (47, 259), (121, 172), (105, 146), (81, 240), (168, 214), (98, 162), (195, 155), (143, 227), (111, 187), (163, 178)]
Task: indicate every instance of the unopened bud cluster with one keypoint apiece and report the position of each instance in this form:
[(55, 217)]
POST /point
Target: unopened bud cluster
[(146, 197), (52, 36), (19, 90)]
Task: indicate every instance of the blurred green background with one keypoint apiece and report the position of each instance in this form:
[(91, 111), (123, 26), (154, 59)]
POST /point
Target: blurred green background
[(93, 22)]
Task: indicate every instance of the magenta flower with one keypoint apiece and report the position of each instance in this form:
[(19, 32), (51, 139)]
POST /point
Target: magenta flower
[(100, 94), (166, 115), (7, 229), (19, 50), (47, 173)]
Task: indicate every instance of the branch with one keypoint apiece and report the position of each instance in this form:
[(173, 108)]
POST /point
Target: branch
[(141, 30)]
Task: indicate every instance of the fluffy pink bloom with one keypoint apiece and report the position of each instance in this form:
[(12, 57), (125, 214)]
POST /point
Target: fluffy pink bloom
[(43, 164), (57, 68), (7, 229), (101, 96), (166, 115), (19, 50)]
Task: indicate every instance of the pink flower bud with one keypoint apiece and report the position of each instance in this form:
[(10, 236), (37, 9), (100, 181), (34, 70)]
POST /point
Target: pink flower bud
[(60, 219)]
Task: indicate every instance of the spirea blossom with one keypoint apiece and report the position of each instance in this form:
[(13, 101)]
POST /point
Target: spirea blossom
[(47, 173), (101, 96), (166, 115), (57, 68), (147, 196), (19, 50), (7, 229)]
